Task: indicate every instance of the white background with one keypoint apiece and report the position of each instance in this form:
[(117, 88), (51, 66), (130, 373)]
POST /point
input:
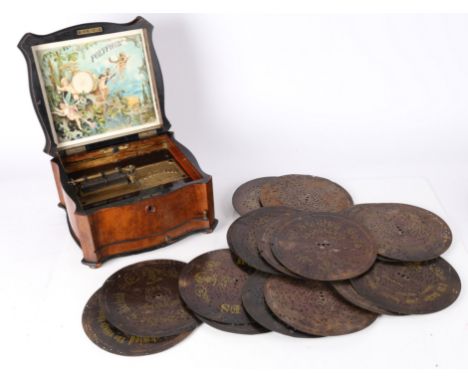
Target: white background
[(377, 103)]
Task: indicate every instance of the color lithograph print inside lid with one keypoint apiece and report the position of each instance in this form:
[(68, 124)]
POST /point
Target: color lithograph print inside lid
[(143, 300), (95, 82)]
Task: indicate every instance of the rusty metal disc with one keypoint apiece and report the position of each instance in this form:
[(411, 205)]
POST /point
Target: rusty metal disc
[(314, 307), (346, 290), (242, 237), (211, 286), (107, 337), (403, 232), (143, 300), (252, 328), (265, 238), (410, 288), (323, 246), (247, 196), (305, 192), (255, 305)]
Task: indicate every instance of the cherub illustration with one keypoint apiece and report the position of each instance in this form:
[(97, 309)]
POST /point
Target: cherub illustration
[(70, 112), (102, 90), (121, 62), (66, 86)]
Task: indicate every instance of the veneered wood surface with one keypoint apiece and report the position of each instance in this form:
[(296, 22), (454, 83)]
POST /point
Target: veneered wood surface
[(141, 224)]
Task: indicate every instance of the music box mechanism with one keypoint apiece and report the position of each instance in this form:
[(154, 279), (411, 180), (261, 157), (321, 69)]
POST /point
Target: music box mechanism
[(126, 183)]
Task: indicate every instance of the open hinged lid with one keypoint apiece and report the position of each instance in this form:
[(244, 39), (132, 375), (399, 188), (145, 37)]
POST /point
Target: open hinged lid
[(95, 83)]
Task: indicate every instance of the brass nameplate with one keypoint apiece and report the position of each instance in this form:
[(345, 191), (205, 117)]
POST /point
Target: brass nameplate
[(82, 32)]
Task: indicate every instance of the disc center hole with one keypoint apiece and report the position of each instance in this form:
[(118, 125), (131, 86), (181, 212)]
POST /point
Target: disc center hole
[(323, 244), (322, 296), (403, 275)]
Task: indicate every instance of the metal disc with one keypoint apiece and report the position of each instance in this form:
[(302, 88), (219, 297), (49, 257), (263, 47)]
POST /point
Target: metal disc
[(410, 288), (305, 192), (255, 305), (211, 286), (252, 328), (247, 196), (346, 290), (314, 307), (265, 238), (143, 300), (325, 247), (107, 337), (403, 232), (242, 237)]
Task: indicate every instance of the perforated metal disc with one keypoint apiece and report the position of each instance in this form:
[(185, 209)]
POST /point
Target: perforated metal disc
[(410, 288), (255, 305), (242, 236), (107, 337), (211, 286), (325, 247), (247, 196), (403, 232), (143, 300), (314, 307), (346, 290), (305, 192), (265, 238)]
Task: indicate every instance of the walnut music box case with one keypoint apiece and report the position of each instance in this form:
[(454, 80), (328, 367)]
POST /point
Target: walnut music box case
[(127, 185)]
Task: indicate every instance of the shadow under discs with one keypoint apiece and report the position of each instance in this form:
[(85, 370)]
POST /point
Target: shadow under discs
[(314, 307), (255, 305), (324, 246), (103, 334), (403, 232), (143, 300), (242, 238), (246, 198), (252, 328), (211, 286), (410, 288), (305, 192), (346, 290)]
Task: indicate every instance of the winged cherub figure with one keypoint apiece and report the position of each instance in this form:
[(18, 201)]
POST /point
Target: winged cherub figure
[(67, 87), (70, 112), (121, 62)]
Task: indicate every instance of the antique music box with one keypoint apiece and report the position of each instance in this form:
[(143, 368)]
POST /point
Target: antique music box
[(127, 185)]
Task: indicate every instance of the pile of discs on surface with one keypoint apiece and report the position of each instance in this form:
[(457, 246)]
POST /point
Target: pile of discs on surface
[(138, 310), (302, 261), (327, 267)]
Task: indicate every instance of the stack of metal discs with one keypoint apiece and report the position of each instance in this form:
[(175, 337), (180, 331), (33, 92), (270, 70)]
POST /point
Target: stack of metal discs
[(302, 261), (138, 310), (324, 266)]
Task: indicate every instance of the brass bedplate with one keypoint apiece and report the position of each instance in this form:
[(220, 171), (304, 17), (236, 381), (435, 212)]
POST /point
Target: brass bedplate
[(125, 180)]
